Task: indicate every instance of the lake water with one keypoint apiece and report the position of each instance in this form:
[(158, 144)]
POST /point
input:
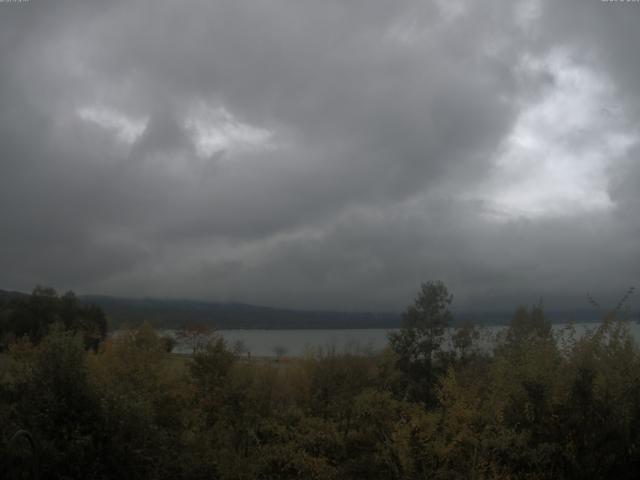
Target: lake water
[(265, 343)]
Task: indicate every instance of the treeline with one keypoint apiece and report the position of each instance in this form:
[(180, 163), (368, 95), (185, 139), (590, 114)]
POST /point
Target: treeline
[(534, 407), (32, 317)]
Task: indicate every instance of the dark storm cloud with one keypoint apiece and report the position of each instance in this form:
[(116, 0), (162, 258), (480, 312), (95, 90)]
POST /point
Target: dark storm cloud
[(321, 154)]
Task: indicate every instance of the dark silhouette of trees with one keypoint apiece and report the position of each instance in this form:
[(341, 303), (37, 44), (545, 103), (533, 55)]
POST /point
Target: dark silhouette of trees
[(418, 342), (34, 315)]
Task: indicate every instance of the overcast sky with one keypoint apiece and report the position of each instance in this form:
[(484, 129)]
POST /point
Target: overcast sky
[(321, 154)]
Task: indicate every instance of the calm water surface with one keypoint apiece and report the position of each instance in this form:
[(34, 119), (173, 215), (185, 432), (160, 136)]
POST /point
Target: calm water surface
[(264, 343)]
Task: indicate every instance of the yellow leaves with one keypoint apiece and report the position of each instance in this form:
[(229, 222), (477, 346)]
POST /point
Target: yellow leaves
[(458, 435), (135, 377), (18, 363), (529, 411)]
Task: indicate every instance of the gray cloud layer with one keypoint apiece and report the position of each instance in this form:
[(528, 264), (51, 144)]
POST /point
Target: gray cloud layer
[(321, 154)]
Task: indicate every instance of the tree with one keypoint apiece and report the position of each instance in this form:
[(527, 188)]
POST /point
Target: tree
[(240, 348), (418, 342), (279, 351), (528, 324), (52, 399), (194, 336), (211, 366), (463, 340), (34, 315)]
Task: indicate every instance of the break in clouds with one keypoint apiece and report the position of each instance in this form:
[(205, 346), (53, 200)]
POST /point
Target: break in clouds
[(325, 154)]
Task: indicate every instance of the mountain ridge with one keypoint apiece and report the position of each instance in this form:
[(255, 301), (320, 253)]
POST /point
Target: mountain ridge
[(175, 313)]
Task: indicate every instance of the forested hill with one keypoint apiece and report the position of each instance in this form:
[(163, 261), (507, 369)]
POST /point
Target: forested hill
[(167, 313), (175, 313), (7, 295)]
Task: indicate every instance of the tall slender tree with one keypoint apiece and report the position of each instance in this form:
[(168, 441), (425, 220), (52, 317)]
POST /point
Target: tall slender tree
[(419, 341)]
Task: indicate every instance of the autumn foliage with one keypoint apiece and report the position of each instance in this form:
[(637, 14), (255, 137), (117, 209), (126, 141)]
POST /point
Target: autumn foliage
[(535, 405)]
